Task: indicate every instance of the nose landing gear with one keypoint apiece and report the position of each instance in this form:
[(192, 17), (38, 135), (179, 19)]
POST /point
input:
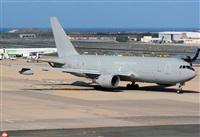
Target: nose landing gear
[(179, 89)]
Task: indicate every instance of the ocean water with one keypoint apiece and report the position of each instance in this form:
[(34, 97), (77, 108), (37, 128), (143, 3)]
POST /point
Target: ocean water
[(114, 29)]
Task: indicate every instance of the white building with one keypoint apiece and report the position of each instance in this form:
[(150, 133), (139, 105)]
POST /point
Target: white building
[(27, 35), (186, 37), (146, 39)]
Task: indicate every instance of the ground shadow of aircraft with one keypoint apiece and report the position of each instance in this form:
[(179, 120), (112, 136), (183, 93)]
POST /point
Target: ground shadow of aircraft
[(71, 86), (89, 87), (157, 88)]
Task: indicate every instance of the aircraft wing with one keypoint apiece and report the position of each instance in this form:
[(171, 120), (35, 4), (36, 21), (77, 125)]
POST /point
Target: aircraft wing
[(122, 75), (69, 70), (42, 60)]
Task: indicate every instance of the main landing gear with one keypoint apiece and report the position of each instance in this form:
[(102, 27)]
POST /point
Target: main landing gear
[(179, 89), (132, 86)]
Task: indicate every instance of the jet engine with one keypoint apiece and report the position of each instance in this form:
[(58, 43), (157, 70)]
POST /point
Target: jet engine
[(108, 81)]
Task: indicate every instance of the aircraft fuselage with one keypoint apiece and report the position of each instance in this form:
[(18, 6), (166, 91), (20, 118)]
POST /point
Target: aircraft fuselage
[(144, 69)]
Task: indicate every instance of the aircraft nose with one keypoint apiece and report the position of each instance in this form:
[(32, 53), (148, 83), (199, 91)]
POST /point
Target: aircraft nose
[(192, 74)]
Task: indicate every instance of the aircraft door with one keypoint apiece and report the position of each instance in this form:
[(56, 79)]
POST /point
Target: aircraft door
[(167, 68), (99, 65), (75, 63)]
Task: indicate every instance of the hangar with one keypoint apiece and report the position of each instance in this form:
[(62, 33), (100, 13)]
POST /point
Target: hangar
[(185, 37)]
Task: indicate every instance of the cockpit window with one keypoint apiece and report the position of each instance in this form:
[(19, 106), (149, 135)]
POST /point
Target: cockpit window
[(186, 67), (190, 67)]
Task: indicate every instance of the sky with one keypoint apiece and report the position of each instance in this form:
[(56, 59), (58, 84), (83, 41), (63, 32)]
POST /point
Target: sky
[(101, 13)]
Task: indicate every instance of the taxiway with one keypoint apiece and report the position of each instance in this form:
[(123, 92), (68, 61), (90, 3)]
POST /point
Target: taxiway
[(56, 100)]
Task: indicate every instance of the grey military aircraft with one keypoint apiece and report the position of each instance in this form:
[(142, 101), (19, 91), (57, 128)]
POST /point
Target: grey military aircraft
[(108, 71)]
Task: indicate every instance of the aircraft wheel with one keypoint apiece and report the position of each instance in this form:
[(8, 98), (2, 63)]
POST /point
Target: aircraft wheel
[(132, 86), (179, 91), (136, 86), (128, 86)]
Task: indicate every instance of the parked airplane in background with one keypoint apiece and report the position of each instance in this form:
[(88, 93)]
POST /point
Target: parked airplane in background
[(1, 54), (160, 41), (108, 71), (29, 52)]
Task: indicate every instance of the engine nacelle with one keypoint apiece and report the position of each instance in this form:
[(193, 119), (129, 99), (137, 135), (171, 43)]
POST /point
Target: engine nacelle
[(26, 71), (108, 81)]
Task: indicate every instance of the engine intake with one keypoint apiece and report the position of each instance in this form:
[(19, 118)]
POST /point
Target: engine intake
[(108, 81)]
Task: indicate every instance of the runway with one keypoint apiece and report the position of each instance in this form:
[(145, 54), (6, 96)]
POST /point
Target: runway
[(147, 131), (53, 100)]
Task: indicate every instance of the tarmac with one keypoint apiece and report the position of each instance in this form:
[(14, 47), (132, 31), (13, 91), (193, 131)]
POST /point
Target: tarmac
[(64, 105)]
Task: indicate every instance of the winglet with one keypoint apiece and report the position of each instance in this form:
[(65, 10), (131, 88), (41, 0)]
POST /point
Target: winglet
[(196, 55), (63, 44), (192, 59)]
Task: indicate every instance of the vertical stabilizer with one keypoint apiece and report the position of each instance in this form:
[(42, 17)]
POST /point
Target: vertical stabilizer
[(63, 44)]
